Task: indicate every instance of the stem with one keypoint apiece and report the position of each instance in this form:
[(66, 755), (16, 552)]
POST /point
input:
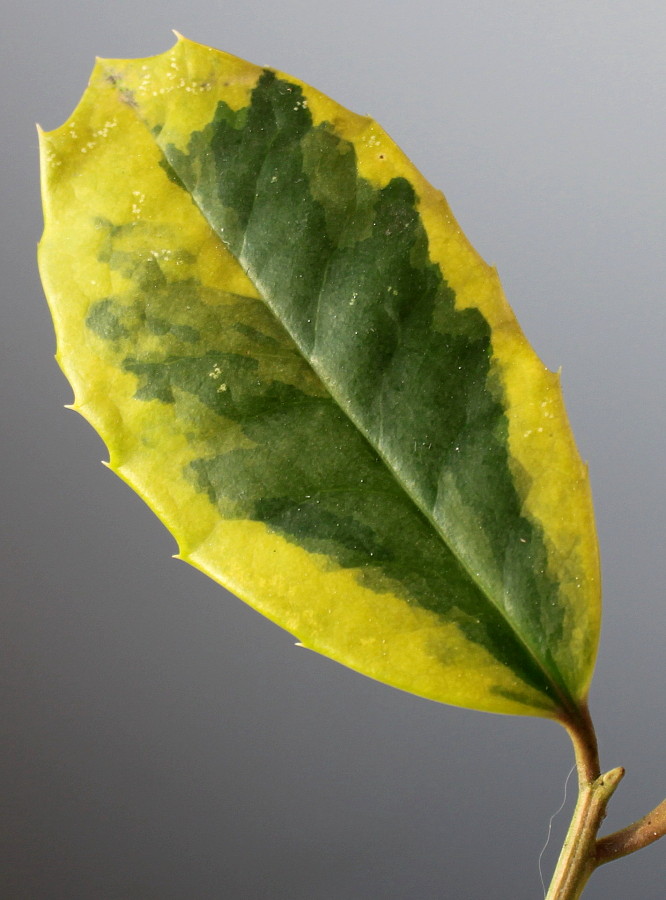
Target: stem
[(578, 857), (582, 853)]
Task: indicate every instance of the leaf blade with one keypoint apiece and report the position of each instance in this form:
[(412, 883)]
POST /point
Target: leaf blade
[(489, 634)]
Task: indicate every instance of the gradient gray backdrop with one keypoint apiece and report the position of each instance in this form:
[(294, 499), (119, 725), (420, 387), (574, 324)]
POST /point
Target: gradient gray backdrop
[(161, 741)]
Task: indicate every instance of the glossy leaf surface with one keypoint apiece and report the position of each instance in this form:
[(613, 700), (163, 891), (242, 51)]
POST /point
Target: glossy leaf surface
[(297, 359)]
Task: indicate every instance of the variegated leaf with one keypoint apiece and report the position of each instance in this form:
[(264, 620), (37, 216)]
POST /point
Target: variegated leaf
[(297, 359)]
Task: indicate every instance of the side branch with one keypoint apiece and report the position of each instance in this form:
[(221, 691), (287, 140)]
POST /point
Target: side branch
[(634, 837)]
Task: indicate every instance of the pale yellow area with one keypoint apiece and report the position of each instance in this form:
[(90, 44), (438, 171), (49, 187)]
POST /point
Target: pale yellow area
[(378, 634), (216, 266), (180, 89)]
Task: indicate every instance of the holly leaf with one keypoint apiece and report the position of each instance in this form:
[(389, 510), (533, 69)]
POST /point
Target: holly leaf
[(297, 359)]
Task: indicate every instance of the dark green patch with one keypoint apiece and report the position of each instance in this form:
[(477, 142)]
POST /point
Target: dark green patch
[(104, 320), (345, 267)]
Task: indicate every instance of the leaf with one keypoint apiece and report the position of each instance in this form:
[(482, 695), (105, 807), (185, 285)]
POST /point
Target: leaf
[(297, 359)]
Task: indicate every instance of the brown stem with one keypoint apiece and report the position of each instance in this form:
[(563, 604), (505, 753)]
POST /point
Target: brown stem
[(634, 837), (584, 740)]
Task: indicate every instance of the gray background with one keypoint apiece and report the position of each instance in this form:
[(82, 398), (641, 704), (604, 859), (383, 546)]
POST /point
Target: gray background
[(161, 740)]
